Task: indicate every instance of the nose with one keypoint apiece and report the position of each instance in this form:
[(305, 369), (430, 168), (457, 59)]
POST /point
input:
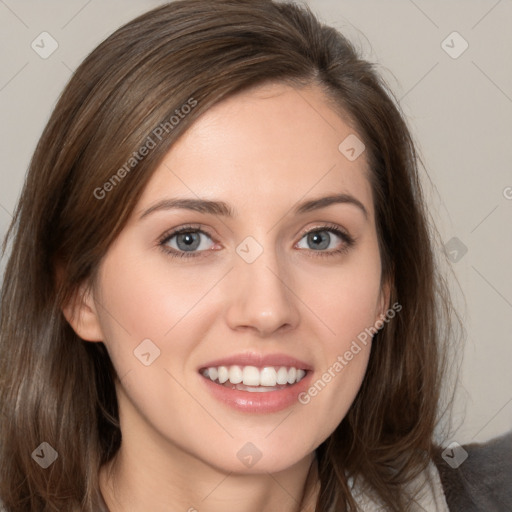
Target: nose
[(262, 298)]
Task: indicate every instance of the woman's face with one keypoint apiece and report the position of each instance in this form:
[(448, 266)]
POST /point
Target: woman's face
[(249, 295)]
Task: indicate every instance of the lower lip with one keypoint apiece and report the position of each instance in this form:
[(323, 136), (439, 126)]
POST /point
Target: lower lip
[(262, 402)]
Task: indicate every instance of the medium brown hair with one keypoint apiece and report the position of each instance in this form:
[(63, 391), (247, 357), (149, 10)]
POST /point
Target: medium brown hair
[(58, 388)]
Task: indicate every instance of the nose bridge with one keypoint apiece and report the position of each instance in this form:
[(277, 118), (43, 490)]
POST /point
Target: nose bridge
[(262, 297)]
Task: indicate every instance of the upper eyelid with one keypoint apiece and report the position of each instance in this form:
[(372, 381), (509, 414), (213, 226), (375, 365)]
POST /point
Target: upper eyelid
[(182, 229), (326, 227)]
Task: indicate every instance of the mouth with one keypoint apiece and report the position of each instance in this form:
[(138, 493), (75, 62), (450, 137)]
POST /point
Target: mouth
[(252, 383), (253, 379)]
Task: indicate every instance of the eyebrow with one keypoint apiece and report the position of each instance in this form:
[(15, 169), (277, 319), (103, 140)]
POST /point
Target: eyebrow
[(220, 208)]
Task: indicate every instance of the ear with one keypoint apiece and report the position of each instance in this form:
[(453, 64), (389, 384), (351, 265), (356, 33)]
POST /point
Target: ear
[(81, 314)]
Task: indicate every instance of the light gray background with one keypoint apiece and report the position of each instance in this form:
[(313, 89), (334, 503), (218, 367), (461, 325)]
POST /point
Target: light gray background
[(459, 110)]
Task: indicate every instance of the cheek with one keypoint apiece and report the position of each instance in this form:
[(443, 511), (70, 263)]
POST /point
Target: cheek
[(143, 300), (347, 299), (347, 306), (146, 297)]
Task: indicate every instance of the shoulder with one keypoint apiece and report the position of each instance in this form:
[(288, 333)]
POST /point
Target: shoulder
[(478, 476)]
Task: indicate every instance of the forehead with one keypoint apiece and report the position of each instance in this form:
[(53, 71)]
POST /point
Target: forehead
[(270, 144)]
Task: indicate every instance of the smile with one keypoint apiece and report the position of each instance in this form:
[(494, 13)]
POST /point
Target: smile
[(254, 379), (255, 383)]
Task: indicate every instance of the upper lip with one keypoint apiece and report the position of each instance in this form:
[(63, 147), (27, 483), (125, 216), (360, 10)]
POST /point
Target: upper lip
[(258, 360)]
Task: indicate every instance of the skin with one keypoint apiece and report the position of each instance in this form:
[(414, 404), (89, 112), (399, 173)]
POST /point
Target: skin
[(262, 151)]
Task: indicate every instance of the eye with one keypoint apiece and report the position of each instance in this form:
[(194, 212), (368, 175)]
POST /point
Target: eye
[(189, 241), (185, 242), (320, 238)]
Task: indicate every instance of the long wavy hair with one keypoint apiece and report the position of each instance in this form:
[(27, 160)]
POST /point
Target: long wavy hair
[(59, 389)]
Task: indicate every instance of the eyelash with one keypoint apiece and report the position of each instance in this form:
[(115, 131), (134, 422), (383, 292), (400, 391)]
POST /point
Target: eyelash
[(347, 239)]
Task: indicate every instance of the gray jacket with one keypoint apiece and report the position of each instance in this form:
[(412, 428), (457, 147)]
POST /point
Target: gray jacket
[(483, 482)]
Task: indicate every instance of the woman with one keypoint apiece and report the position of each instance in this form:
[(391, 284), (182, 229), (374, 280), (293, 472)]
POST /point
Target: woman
[(222, 291)]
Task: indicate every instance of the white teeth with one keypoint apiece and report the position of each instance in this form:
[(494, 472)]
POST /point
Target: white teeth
[(253, 377), (223, 374), (268, 376), (213, 373), (282, 376), (259, 389), (235, 375), (292, 375)]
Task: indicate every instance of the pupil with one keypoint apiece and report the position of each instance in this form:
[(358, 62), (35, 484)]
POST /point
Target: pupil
[(317, 239), (188, 239)]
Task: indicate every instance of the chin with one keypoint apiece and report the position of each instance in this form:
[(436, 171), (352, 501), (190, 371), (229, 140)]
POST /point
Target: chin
[(253, 457)]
